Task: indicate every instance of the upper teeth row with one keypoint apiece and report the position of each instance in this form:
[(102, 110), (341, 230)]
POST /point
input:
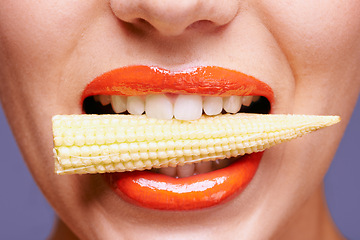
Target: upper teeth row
[(182, 107)]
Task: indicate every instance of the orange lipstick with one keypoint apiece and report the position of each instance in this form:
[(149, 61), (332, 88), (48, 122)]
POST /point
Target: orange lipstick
[(206, 81), (157, 191)]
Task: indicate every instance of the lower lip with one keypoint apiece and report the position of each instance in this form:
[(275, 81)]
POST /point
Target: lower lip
[(158, 191)]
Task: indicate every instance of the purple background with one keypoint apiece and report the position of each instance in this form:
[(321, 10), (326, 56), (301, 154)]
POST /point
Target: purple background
[(25, 214)]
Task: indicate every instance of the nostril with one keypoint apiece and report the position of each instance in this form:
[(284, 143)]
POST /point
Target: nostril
[(201, 24), (172, 18), (198, 25), (142, 24)]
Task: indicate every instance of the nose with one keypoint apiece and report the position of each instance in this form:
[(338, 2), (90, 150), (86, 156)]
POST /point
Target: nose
[(173, 17)]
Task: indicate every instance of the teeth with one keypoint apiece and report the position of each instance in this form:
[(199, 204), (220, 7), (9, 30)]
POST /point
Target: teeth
[(182, 107), (97, 98), (118, 103), (104, 99), (256, 98), (203, 167), (232, 104), (218, 164), (170, 171), (186, 170), (213, 105), (158, 106), (246, 100), (188, 107), (135, 105)]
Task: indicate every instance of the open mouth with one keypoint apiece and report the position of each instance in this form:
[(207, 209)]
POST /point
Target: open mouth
[(181, 107), (184, 95), (174, 140)]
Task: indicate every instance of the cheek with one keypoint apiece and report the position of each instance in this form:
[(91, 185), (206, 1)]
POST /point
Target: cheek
[(312, 32), (321, 41), (37, 39)]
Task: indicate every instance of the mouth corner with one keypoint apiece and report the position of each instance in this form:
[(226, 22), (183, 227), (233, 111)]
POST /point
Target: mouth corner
[(233, 92)]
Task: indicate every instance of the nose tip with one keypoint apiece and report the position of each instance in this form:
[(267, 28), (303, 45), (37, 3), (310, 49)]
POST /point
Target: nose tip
[(173, 17)]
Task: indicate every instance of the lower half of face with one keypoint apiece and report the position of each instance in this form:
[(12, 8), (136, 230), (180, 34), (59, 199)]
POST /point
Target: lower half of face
[(306, 59)]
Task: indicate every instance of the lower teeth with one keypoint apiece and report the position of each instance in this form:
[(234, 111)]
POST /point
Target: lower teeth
[(192, 169)]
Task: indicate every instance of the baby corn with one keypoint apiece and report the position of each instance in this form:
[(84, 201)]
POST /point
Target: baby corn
[(118, 143)]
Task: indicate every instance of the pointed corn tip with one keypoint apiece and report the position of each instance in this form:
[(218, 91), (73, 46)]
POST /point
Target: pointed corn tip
[(117, 143)]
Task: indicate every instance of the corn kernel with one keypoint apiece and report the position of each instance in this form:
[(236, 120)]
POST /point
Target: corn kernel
[(117, 143)]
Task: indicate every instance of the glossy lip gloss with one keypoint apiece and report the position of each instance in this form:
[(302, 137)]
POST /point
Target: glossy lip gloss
[(206, 81), (157, 191)]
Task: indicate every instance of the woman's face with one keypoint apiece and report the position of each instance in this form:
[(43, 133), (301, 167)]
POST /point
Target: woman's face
[(308, 52)]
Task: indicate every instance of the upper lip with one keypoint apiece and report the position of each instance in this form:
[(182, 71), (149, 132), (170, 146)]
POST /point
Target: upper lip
[(206, 80)]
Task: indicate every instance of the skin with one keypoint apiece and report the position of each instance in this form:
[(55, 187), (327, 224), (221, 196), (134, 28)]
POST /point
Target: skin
[(307, 51)]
